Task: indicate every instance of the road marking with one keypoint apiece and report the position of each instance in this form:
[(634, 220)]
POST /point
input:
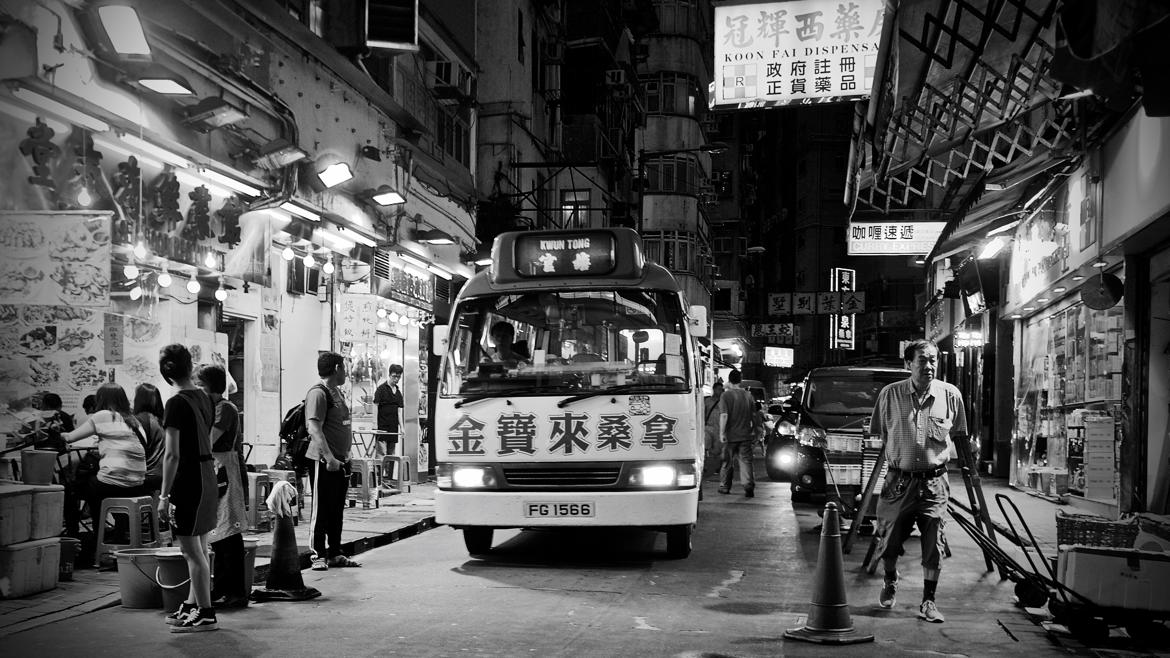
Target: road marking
[(725, 586), (641, 625)]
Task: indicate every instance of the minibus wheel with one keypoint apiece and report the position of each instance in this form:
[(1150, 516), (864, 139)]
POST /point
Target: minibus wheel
[(678, 541)]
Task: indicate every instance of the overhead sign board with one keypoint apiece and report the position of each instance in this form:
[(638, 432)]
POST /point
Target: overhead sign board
[(778, 357), (842, 329), (588, 253), (893, 238), (816, 303), (797, 52)]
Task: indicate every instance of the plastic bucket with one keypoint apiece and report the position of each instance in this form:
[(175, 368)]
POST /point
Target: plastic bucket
[(172, 578), (136, 577), (250, 546), (36, 466), (69, 549)]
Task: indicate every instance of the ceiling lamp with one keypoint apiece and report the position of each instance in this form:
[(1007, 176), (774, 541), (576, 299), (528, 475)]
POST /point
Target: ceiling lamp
[(193, 285), (123, 31), (385, 196), (164, 279), (162, 80), (433, 236), (278, 153), (288, 253), (213, 112), (309, 260), (328, 267), (335, 174), (140, 250), (220, 293)]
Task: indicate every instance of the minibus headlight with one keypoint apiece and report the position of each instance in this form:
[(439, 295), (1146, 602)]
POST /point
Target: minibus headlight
[(680, 474), (465, 476)]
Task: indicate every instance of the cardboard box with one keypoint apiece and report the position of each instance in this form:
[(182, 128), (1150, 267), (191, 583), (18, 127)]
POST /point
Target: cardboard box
[(29, 567), (1117, 577), (15, 513)]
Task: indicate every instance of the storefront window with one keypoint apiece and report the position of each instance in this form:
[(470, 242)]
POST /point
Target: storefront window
[(1067, 398)]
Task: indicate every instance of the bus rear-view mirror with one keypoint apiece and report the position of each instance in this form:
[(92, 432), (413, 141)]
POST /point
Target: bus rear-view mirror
[(697, 320)]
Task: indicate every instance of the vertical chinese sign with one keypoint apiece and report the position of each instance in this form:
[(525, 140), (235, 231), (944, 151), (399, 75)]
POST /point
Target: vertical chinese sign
[(797, 52), (841, 329)]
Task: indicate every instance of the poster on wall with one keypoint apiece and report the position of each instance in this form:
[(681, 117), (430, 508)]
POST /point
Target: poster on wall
[(355, 322), (55, 258), (59, 349), (143, 338)]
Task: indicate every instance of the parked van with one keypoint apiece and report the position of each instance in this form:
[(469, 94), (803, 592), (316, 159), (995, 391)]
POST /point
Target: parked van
[(831, 418)]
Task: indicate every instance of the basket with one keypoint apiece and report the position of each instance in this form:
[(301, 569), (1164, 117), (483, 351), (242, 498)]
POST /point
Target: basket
[(1090, 530)]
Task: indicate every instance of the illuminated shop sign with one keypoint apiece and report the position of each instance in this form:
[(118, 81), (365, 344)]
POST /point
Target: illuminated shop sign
[(797, 52), (893, 238)]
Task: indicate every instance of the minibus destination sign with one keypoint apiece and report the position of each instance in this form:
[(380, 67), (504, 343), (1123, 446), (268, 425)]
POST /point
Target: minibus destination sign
[(588, 253)]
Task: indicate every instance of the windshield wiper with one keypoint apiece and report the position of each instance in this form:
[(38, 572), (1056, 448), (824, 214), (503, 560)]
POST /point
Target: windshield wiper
[(518, 390), (623, 388)]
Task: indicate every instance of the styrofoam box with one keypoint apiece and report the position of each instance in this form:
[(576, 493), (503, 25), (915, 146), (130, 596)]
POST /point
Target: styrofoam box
[(15, 513), (1117, 577), (29, 567), (48, 509)]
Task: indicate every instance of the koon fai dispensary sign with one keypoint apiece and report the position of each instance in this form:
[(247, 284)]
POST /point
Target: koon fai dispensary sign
[(893, 238), (797, 52)]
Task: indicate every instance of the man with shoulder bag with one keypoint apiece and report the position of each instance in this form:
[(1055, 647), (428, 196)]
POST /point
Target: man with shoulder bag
[(328, 422)]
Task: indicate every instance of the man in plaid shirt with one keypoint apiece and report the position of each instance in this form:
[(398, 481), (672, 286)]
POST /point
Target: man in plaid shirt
[(918, 420)]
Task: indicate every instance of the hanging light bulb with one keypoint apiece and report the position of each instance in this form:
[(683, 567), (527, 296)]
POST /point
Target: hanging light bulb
[(309, 260), (164, 279), (140, 250), (393, 317), (220, 293), (288, 254), (381, 312), (193, 286), (328, 267), (210, 261), (130, 271), (84, 198), (136, 293), (403, 320)]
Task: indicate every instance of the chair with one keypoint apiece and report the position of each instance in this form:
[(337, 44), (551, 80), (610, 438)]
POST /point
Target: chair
[(137, 515), (364, 481), (403, 470), (259, 486)]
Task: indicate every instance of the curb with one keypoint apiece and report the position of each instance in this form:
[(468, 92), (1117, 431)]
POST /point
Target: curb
[(358, 546)]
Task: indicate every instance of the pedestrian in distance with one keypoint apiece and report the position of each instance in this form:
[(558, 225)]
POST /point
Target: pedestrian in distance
[(121, 447), (713, 448), (227, 449), (148, 409), (328, 422), (739, 421), (88, 405), (388, 398), (188, 500), (918, 420)]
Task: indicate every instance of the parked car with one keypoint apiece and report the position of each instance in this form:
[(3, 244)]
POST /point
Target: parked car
[(831, 416), (780, 442)]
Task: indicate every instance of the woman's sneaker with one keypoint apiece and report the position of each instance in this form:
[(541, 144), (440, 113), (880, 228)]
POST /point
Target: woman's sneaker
[(201, 619), (179, 615)]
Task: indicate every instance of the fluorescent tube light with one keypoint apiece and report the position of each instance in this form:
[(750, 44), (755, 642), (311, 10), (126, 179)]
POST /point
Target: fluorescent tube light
[(991, 249), (413, 260), (71, 115), (439, 271), (159, 152), (300, 211), (230, 183)]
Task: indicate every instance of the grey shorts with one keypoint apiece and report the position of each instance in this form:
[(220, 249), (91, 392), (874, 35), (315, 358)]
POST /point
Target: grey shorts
[(906, 501)]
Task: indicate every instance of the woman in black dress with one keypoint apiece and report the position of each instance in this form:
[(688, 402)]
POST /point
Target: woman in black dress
[(188, 485)]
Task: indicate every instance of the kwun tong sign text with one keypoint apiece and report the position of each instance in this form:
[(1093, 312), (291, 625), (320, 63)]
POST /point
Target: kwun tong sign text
[(796, 52)]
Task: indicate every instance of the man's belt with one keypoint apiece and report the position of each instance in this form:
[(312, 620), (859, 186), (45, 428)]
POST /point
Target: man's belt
[(924, 474)]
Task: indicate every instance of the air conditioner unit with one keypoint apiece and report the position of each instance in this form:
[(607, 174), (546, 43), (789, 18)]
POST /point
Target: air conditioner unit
[(553, 51)]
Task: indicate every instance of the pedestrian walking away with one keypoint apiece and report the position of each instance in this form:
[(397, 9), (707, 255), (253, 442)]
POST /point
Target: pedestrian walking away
[(918, 420), (327, 419), (739, 420), (388, 397), (712, 447), (227, 539), (188, 498)]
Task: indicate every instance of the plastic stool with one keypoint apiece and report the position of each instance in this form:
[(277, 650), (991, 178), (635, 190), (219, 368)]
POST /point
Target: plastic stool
[(403, 470), (259, 486), (291, 478), (364, 482), (143, 534)]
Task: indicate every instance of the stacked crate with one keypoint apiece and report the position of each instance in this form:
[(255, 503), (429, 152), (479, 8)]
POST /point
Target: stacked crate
[(30, 545)]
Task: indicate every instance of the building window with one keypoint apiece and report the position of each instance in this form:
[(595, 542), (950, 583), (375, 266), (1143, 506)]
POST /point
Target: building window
[(671, 93), (520, 36), (574, 208), (675, 250), (679, 173)]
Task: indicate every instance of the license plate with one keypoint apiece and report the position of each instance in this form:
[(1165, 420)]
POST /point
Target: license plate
[(538, 510)]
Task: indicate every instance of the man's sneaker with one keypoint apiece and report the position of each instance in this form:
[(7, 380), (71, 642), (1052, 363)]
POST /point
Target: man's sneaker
[(929, 611), (201, 619), (340, 561), (889, 589), (180, 614), (319, 564)]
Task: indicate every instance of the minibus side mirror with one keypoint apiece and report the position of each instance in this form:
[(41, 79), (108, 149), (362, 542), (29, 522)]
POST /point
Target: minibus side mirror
[(697, 320), (439, 340)]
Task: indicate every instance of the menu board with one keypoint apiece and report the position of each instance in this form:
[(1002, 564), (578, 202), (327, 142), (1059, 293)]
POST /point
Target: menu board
[(55, 258), (357, 318)]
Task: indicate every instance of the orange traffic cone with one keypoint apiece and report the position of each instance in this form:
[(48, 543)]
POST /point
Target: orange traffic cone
[(284, 573), (829, 621)]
